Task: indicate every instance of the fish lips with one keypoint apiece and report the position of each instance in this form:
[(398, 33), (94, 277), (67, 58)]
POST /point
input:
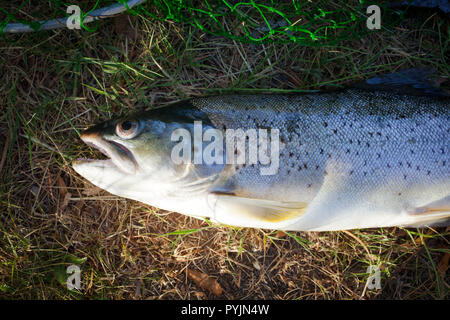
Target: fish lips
[(119, 155)]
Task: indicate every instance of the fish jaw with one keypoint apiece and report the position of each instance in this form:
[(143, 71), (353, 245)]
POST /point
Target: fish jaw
[(102, 173), (120, 155), (105, 174), (110, 173)]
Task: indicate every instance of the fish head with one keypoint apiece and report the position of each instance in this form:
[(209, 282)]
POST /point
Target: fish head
[(140, 157)]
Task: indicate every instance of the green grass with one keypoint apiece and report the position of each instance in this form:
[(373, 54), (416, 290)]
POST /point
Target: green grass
[(55, 84)]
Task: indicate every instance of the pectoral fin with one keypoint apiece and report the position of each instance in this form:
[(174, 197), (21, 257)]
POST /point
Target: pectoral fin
[(248, 212)]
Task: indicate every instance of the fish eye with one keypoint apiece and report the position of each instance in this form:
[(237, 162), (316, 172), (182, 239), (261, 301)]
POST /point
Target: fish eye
[(127, 129)]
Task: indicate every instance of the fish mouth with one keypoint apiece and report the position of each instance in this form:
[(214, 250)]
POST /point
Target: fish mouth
[(118, 155)]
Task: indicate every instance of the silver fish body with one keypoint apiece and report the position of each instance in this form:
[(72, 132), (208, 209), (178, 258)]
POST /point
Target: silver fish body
[(358, 159), (347, 159)]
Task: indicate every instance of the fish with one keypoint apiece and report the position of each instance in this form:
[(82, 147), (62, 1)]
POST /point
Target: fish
[(374, 154), (442, 5)]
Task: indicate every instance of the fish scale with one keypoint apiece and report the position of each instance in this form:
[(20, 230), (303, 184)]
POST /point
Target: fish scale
[(357, 132), (391, 151)]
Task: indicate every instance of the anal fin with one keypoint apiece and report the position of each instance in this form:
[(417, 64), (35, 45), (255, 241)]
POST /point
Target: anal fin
[(433, 213)]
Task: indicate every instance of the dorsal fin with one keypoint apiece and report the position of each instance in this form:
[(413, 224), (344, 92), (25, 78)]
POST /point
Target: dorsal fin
[(416, 81)]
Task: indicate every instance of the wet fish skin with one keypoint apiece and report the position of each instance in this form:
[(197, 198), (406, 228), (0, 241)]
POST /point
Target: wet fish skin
[(348, 159), (347, 154)]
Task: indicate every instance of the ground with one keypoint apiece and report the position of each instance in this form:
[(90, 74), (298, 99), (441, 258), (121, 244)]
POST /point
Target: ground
[(56, 83)]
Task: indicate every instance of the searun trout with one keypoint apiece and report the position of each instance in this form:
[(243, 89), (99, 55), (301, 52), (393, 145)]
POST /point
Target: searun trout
[(375, 155)]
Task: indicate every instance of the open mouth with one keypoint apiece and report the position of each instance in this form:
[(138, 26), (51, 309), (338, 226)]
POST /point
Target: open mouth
[(117, 154)]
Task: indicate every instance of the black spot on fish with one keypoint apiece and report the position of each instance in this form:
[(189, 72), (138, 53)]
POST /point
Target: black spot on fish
[(325, 124), (335, 131), (317, 167), (309, 185), (305, 165), (409, 164)]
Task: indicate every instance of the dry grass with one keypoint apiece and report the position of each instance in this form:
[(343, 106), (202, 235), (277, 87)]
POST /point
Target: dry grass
[(55, 84)]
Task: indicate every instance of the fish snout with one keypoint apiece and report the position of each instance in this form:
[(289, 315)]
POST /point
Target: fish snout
[(90, 136)]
